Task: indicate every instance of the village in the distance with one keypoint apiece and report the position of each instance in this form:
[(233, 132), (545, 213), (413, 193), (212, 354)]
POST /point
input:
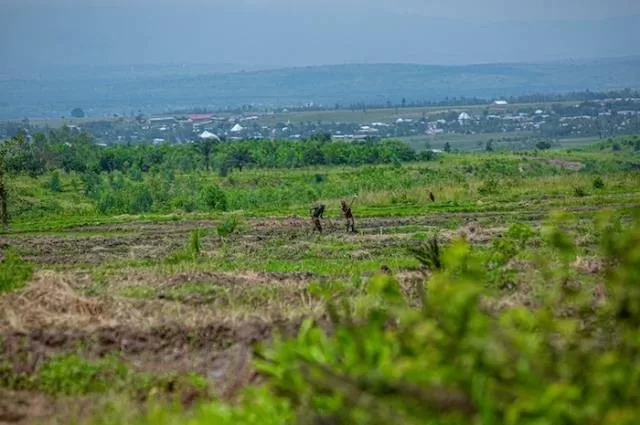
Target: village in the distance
[(497, 120)]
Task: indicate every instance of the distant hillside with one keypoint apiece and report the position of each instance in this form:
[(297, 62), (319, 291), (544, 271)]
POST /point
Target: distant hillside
[(103, 91)]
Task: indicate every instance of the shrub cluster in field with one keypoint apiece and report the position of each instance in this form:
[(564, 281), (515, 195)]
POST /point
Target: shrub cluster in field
[(620, 144), (449, 360)]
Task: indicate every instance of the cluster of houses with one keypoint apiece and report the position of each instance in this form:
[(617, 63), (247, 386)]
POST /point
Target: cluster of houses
[(602, 118), (500, 117)]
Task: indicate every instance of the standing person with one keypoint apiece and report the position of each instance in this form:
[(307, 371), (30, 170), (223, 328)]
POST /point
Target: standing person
[(317, 212), (348, 215)]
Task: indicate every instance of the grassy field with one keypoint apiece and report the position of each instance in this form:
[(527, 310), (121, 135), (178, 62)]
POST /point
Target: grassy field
[(341, 115), (124, 312), (477, 142), (389, 114)]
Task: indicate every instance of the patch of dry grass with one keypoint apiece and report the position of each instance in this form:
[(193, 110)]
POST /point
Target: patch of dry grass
[(52, 299)]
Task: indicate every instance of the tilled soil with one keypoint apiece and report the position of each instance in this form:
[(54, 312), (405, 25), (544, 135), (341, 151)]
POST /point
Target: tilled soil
[(157, 240), (18, 407), (175, 346), (220, 352), (78, 249)]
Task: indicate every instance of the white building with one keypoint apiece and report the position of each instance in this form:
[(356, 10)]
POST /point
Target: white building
[(464, 118), (207, 135)]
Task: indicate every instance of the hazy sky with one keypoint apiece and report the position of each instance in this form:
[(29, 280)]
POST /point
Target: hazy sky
[(299, 32)]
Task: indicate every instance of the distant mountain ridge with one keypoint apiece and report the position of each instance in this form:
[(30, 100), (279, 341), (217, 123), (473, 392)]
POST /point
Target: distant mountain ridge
[(152, 89)]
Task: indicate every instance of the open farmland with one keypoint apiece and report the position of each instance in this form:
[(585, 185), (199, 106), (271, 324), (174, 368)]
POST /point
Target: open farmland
[(121, 311)]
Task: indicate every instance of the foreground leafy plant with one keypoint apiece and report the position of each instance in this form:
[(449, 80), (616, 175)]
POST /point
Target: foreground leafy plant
[(428, 253), (195, 244), (227, 227), (452, 363)]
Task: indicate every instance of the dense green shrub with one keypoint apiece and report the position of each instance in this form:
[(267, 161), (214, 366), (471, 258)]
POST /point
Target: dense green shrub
[(141, 200), (54, 182), (598, 183), (489, 186), (212, 197), (579, 191), (521, 233)]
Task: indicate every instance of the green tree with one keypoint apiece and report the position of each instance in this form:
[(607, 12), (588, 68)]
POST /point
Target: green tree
[(55, 184), (543, 145), (5, 149), (206, 147), (447, 147), (239, 158), (313, 155), (489, 146), (141, 200), (323, 137), (77, 113)]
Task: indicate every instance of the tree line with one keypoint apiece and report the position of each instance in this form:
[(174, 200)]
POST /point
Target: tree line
[(146, 177), (69, 150)]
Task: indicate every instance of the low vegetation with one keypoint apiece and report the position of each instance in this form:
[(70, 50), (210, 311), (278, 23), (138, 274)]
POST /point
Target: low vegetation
[(510, 298), (15, 271)]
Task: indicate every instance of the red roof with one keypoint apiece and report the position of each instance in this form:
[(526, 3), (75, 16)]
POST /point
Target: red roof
[(200, 117)]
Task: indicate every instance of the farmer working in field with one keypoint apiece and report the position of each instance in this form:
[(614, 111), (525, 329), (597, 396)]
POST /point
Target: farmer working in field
[(317, 213), (348, 215)]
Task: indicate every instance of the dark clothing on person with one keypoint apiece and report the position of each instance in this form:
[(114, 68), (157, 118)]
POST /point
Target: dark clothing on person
[(317, 212)]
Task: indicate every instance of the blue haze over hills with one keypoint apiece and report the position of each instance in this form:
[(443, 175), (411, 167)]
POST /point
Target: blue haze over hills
[(59, 54)]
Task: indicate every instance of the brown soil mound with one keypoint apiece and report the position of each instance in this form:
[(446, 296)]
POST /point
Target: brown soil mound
[(588, 265), (473, 233), (20, 407), (568, 165)]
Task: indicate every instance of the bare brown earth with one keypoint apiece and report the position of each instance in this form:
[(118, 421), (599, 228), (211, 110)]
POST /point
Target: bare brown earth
[(568, 165)]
